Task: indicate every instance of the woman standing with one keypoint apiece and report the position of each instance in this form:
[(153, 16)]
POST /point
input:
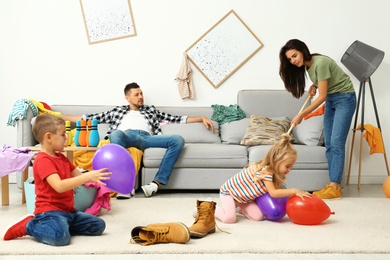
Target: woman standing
[(335, 88)]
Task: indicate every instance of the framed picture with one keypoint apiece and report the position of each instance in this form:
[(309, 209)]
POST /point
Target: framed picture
[(107, 20), (223, 49)]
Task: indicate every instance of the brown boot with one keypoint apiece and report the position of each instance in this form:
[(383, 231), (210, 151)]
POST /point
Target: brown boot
[(160, 233), (205, 221)]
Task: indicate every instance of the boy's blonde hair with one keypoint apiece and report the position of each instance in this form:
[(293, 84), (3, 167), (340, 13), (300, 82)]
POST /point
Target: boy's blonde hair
[(46, 123), (275, 156)]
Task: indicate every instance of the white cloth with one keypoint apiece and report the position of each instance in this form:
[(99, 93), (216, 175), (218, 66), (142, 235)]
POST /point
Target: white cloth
[(185, 81)]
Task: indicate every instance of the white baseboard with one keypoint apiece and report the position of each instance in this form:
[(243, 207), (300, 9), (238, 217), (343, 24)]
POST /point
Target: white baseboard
[(372, 179)]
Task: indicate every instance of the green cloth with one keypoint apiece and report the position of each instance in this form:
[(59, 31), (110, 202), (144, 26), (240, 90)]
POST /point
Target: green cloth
[(225, 114)]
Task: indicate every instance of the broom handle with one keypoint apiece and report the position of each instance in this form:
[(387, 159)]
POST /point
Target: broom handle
[(303, 107)]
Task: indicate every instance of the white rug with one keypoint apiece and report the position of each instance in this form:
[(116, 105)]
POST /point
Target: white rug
[(360, 225)]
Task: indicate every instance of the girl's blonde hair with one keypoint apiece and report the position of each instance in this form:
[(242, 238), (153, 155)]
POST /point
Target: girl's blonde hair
[(277, 154)]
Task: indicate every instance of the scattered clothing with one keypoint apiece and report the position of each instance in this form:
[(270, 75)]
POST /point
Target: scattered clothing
[(224, 114), (42, 108), (102, 199), (14, 160), (374, 139), (318, 112), (19, 111), (185, 81)]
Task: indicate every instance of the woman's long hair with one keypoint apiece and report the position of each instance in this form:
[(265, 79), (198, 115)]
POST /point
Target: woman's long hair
[(294, 77), (275, 156)]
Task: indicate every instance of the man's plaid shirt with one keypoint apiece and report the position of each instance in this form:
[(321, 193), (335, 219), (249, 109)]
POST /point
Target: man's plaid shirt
[(152, 115)]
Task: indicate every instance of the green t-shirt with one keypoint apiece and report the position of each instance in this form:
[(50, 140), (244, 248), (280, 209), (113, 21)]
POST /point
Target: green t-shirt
[(324, 68)]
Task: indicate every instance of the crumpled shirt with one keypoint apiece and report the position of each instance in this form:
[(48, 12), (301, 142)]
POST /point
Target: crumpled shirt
[(14, 159), (225, 114)]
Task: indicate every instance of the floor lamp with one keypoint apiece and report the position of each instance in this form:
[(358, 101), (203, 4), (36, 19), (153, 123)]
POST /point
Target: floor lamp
[(362, 60)]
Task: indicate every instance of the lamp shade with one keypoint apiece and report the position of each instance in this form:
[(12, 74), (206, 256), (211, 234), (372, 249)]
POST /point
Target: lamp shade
[(362, 60)]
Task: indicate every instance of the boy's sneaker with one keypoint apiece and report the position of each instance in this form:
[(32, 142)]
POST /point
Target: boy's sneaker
[(150, 189), (329, 193), (120, 196), (174, 232), (18, 229)]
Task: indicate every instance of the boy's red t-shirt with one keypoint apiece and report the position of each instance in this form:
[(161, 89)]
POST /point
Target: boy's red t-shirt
[(47, 199)]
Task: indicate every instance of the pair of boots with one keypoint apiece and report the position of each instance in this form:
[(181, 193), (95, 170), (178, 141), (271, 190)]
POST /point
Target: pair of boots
[(177, 232)]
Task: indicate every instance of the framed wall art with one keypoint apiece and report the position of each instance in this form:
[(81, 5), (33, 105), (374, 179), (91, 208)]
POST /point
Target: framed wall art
[(107, 20), (223, 49)]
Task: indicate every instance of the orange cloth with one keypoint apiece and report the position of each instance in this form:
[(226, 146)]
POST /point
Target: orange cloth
[(318, 112), (373, 137)]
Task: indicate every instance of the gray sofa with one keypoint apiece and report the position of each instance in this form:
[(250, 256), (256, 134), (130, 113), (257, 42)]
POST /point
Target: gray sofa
[(208, 159)]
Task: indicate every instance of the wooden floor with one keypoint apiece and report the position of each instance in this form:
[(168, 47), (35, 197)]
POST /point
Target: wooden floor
[(366, 191)]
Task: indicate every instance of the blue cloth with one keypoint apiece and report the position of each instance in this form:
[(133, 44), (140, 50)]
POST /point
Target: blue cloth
[(55, 227), (339, 109), (143, 140), (19, 111)]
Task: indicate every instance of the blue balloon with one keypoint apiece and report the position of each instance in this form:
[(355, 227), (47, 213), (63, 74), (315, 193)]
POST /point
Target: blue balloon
[(272, 208), (120, 163)]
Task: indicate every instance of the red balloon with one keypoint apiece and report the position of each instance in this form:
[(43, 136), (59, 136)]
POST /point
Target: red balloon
[(311, 211)]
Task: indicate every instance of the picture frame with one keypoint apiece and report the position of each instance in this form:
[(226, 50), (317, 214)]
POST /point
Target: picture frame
[(224, 48), (107, 20)]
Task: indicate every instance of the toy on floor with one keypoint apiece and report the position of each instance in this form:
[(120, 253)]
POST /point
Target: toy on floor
[(272, 208), (311, 211), (386, 187), (118, 161)]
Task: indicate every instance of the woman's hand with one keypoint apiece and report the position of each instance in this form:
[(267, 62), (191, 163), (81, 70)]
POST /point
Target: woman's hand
[(312, 91)]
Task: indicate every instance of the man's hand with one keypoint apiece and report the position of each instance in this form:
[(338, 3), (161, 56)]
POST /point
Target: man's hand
[(207, 122)]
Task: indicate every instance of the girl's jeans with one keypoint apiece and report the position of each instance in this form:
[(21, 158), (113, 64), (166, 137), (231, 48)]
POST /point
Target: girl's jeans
[(143, 140), (55, 227), (339, 109)]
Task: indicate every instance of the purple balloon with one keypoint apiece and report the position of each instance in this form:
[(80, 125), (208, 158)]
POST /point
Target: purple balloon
[(272, 208), (118, 161)]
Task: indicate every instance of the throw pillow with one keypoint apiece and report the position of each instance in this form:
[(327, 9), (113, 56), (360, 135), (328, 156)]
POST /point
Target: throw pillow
[(310, 131), (233, 132), (264, 130)]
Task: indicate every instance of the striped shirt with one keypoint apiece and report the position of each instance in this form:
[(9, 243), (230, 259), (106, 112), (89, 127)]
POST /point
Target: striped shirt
[(243, 187), (152, 115)]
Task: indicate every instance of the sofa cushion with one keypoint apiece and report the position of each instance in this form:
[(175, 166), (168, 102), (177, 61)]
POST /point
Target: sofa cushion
[(264, 130), (309, 157), (310, 131), (201, 156), (193, 132), (233, 132)]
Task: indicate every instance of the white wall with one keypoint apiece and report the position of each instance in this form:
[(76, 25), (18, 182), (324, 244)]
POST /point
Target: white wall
[(45, 55)]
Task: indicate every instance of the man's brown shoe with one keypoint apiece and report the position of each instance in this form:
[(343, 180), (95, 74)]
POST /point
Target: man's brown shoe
[(174, 232)]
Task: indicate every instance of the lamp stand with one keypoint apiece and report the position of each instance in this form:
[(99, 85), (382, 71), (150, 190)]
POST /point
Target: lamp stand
[(361, 99)]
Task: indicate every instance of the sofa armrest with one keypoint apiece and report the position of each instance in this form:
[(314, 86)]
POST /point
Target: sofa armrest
[(25, 135)]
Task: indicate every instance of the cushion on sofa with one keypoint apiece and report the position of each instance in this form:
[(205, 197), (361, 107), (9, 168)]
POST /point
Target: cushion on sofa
[(233, 132), (310, 131), (264, 130), (193, 132)]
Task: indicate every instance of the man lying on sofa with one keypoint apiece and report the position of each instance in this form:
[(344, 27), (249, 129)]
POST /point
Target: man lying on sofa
[(138, 125)]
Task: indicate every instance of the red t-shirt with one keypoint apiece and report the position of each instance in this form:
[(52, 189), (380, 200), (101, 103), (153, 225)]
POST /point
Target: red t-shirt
[(47, 199)]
